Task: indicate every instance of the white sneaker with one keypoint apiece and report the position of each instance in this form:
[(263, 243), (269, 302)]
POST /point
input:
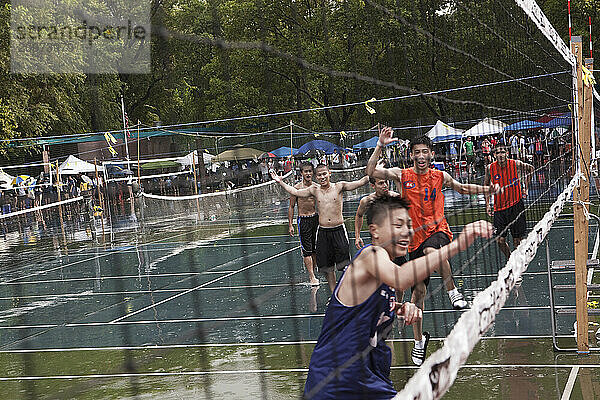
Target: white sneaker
[(418, 355), (458, 301), (519, 281)]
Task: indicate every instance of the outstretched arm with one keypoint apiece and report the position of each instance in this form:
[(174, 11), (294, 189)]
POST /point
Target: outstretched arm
[(290, 189), (354, 184), (469, 188), (412, 272)]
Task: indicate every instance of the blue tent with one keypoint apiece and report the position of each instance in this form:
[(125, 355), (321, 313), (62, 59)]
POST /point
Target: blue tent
[(525, 124), (320, 145), (283, 151), (367, 144), (564, 120)]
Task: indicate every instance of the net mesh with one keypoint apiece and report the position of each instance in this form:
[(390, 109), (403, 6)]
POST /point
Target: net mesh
[(184, 286)]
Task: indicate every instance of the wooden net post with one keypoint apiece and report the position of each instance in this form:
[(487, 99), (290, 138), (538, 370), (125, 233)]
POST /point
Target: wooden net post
[(580, 200)]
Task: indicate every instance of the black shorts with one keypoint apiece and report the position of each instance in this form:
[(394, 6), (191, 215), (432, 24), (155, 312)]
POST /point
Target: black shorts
[(510, 216), (333, 248), (435, 241), (307, 230)]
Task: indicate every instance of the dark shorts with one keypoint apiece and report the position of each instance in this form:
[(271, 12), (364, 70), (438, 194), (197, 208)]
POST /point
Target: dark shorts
[(510, 216), (307, 230), (332, 248), (435, 241)]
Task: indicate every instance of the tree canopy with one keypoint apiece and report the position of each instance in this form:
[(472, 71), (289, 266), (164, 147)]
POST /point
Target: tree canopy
[(216, 59)]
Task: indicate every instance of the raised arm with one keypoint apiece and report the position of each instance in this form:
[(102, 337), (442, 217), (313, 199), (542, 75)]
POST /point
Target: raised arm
[(401, 278), (469, 188), (358, 221), (292, 190), (375, 169), (347, 186), (291, 215)]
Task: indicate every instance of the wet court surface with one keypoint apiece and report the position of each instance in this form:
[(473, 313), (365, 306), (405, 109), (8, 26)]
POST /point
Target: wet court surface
[(184, 317)]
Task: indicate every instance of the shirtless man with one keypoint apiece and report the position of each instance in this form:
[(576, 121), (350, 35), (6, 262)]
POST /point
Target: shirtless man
[(308, 221), (332, 247), (381, 189), (422, 187)]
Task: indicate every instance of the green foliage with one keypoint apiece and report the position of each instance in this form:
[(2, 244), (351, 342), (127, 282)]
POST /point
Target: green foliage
[(287, 55)]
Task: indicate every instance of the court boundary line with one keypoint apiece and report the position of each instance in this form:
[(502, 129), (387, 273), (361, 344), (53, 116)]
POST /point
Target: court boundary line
[(271, 371), (247, 344), (88, 278), (119, 321), (566, 395), (153, 305)]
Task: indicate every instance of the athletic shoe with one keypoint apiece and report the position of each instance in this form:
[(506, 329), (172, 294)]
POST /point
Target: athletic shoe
[(457, 300), (518, 281), (418, 355)]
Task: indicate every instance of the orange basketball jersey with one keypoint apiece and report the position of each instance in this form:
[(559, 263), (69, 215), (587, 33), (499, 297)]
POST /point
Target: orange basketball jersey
[(508, 179), (424, 193)]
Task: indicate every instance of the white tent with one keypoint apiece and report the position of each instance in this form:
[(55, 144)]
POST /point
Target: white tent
[(442, 132), (188, 160), (486, 127), (5, 180), (73, 166)]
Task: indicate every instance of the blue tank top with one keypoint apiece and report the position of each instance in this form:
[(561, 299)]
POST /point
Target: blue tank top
[(348, 332)]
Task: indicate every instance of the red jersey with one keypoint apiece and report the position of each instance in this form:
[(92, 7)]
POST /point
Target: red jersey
[(508, 179), (424, 193)]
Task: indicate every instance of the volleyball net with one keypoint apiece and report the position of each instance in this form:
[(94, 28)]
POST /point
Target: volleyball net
[(509, 85)]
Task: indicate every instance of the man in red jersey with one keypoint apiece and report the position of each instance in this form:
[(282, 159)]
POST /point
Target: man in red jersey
[(422, 187), (508, 209)]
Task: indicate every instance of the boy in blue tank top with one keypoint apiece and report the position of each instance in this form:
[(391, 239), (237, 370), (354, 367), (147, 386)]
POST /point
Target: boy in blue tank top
[(351, 359)]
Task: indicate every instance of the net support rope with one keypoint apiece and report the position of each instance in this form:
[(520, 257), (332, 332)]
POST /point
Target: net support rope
[(439, 371)]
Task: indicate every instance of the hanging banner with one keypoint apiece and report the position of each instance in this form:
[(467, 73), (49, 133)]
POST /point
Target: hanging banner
[(370, 109), (110, 140)]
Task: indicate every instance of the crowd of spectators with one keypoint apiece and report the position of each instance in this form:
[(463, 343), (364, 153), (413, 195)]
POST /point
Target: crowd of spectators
[(469, 156)]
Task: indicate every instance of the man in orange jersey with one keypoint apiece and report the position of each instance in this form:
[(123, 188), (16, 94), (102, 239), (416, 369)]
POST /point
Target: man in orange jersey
[(422, 187), (508, 209)]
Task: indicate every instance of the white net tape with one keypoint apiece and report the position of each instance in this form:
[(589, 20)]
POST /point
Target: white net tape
[(248, 202), (438, 372), (533, 10), (29, 210), (223, 193)]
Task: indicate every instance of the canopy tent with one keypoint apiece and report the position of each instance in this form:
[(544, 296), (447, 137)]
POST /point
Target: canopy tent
[(193, 156), (73, 166), (367, 144), (5, 180), (238, 153), (564, 120), (442, 132), (525, 124), (485, 127), (284, 151), (160, 165), (319, 145)]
